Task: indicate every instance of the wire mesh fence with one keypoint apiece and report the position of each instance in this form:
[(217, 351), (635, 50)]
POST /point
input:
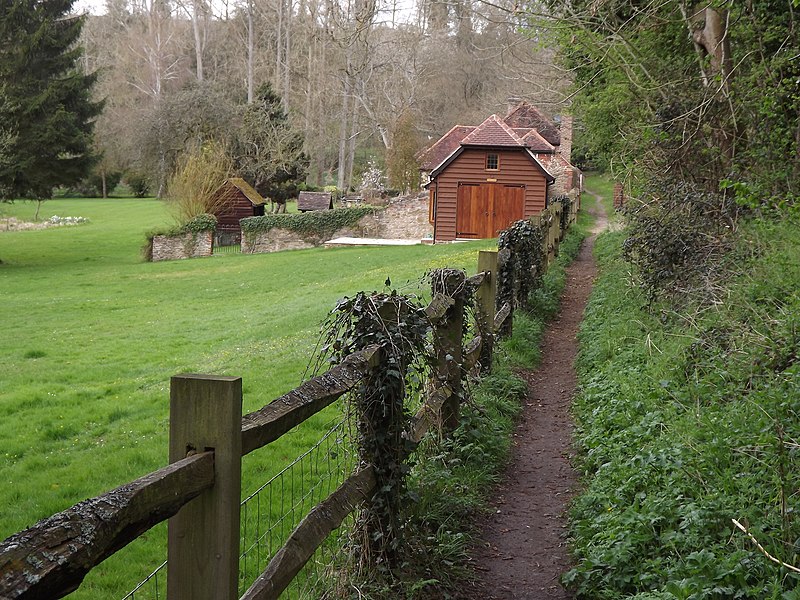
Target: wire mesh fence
[(273, 510), (270, 513), (152, 587)]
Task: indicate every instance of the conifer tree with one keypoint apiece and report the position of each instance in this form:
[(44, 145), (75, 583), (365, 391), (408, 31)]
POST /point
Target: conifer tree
[(269, 151), (46, 111)]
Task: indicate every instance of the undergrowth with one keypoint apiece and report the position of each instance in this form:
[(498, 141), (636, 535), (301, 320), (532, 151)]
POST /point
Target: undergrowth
[(685, 421), (450, 477)]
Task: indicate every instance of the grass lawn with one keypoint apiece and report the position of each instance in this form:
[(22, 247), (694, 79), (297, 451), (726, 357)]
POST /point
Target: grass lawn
[(93, 334)]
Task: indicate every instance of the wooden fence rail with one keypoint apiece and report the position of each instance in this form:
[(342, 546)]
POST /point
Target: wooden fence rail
[(200, 490)]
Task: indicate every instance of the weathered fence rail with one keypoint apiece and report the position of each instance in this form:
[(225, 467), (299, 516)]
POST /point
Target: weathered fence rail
[(200, 490)]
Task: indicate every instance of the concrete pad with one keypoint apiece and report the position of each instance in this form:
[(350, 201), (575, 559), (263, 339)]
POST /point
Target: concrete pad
[(351, 241)]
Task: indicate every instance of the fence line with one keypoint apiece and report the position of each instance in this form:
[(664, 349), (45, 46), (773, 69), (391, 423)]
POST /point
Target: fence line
[(200, 490)]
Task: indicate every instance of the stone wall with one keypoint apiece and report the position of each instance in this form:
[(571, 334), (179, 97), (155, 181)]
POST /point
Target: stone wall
[(188, 245), (275, 240)]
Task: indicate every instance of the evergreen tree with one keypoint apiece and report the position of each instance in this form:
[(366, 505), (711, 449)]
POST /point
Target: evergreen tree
[(46, 111), (269, 151)]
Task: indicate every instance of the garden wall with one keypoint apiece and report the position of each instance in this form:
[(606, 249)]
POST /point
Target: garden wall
[(187, 245), (273, 233)]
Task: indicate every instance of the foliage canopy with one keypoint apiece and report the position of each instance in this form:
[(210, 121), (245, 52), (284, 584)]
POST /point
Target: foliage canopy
[(703, 92), (269, 151), (46, 111)]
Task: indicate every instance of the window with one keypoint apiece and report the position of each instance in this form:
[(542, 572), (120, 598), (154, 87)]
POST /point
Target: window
[(492, 162)]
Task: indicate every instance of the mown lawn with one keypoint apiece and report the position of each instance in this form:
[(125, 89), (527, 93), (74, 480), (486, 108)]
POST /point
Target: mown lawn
[(92, 335)]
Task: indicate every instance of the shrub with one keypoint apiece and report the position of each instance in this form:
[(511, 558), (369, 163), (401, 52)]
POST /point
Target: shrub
[(92, 186), (201, 170), (679, 236), (138, 182)]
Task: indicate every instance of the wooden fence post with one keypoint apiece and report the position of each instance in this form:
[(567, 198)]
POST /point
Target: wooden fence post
[(203, 538), (505, 290), (447, 339), (486, 301), (382, 424)]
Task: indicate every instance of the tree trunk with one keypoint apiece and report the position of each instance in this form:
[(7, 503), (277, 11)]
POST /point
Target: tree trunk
[(351, 143), (287, 62), (250, 52), (198, 40), (343, 129)]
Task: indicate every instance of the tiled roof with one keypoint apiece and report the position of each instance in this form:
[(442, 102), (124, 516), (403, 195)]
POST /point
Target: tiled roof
[(492, 132), (246, 189), (528, 116), (435, 155), (536, 142)]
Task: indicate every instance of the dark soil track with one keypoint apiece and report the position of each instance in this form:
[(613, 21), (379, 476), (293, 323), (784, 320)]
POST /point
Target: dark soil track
[(522, 551)]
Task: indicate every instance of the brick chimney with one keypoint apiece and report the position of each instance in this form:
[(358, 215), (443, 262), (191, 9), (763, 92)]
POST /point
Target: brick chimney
[(513, 102), (566, 137)]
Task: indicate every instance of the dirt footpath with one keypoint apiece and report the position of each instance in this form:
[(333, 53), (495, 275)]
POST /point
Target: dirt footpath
[(523, 552)]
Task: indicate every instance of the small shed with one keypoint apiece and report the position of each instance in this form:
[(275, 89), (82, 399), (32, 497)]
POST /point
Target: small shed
[(307, 201), (235, 199)]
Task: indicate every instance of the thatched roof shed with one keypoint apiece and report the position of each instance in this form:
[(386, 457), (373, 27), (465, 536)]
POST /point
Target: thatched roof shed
[(236, 199)]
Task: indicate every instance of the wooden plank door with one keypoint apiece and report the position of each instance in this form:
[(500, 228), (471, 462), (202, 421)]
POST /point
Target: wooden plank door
[(472, 211), (507, 205)]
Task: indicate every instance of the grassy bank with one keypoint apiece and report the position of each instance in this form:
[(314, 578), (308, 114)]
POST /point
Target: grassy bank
[(93, 334), (687, 420)]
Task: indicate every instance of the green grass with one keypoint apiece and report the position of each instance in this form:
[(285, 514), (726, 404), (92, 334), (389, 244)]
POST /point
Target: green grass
[(603, 185), (93, 334), (687, 420)]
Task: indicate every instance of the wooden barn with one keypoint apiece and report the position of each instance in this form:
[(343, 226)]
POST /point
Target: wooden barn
[(235, 199), (307, 201), (490, 179)]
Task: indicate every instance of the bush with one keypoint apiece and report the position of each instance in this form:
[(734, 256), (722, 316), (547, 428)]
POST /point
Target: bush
[(138, 182), (679, 236), (92, 186)]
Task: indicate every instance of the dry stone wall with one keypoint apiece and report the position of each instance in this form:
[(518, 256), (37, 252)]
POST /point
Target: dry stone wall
[(403, 219), (187, 245)]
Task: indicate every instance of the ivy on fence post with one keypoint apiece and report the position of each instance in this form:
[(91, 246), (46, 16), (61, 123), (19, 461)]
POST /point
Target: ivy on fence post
[(521, 266), (447, 336), (400, 327), (486, 297), (505, 285)]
